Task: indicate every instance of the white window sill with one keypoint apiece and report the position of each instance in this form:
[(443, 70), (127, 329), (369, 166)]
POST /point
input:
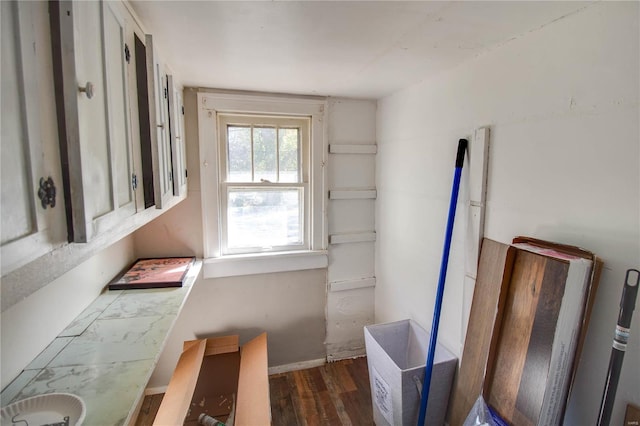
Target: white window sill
[(264, 263)]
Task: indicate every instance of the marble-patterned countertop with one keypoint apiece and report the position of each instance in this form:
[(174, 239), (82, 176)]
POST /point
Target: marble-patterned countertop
[(107, 355)]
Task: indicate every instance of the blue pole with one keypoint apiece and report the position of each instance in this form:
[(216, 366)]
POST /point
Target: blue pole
[(462, 146)]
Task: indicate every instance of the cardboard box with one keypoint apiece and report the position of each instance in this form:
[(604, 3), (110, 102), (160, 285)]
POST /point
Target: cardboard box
[(396, 357), (213, 375)]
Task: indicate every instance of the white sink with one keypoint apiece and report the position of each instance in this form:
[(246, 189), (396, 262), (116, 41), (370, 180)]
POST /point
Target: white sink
[(53, 409)]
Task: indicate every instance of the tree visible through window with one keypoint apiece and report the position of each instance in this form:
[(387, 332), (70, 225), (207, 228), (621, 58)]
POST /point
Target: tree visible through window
[(264, 183)]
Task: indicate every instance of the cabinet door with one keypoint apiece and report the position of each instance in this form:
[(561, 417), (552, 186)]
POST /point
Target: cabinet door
[(176, 125), (117, 56), (29, 227), (161, 141), (95, 138), (139, 115)]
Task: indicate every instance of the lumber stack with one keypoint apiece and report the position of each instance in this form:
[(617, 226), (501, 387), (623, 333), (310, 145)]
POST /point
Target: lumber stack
[(528, 319)]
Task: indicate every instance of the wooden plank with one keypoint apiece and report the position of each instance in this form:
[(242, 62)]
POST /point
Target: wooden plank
[(308, 409), (522, 298), (352, 194), (359, 413), (281, 401), (352, 284), (177, 399), (473, 240), (353, 149), (494, 271), (342, 377), (478, 165), (324, 404), (352, 237), (334, 394), (632, 415), (253, 406), (538, 354), (591, 292), (295, 398), (360, 375)]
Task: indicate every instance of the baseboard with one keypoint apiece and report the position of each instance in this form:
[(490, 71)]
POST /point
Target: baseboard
[(155, 390), (297, 366), (346, 354)]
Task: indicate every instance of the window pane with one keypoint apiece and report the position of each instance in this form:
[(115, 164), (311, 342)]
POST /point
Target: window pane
[(239, 154), (289, 150), (264, 154), (264, 218)]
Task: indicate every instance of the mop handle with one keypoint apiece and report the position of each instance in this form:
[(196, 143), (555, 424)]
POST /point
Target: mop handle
[(627, 305), (426, 383)]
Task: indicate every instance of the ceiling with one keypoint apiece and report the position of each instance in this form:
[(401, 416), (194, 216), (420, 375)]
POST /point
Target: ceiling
[(356, 49)]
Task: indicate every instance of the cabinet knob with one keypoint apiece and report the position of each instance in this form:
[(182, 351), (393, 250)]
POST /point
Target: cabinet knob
[(160, 126), (87, 89)]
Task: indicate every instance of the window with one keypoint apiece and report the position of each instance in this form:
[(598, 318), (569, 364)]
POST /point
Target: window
[(262, 183), (264, 167)]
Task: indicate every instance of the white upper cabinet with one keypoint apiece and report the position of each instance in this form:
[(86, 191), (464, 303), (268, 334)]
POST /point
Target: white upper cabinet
[(117, 59), (159, 119), (139, 115), (92, 126), (90, 67), (33, 220), (176, 127)]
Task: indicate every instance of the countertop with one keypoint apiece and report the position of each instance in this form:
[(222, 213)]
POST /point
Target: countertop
[(108, 353)]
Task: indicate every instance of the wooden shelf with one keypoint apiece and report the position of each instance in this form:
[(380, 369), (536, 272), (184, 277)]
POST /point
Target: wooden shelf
[(353, 149)]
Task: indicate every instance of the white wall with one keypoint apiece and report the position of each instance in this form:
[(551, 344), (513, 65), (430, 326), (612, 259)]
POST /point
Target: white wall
[(289, 306), (350, 295), (562, 105), (31, 324)]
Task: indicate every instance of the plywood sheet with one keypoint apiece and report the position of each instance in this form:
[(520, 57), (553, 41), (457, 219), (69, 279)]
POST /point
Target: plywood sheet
[(183, 382), (253, 404), (517, 304), (493, 276), (515, 387)]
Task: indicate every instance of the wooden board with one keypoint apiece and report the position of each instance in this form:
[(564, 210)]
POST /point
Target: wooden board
[(515, 386), (493, 276), (632, 416), (177, 399), (595, 282), (253, 404), (517, 302)]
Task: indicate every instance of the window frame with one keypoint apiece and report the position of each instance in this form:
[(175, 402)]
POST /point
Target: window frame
[(218, 264), (302, 123)]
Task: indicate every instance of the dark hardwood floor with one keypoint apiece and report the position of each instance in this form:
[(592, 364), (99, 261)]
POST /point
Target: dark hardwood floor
[(336, 393)]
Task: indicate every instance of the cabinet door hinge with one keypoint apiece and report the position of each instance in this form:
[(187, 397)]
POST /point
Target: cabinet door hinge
[(166, 93), (134, 181), (47, 193), (183, 110), (127, 53)]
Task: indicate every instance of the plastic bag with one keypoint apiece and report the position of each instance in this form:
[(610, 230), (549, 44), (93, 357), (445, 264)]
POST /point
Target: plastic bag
[(482, 415)]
